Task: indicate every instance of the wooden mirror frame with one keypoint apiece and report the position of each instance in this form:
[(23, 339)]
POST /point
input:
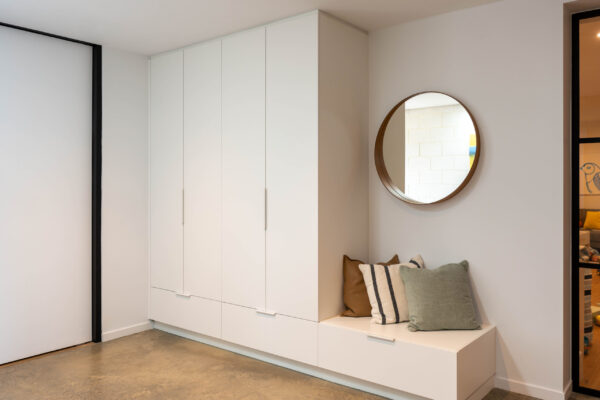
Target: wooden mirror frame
[(380, 164)]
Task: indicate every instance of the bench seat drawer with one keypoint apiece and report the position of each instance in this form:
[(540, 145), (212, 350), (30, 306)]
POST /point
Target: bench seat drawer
[(436, 365)]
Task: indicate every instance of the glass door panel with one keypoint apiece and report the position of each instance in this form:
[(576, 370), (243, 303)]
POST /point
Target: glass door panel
[(589, 78), (586, 224)]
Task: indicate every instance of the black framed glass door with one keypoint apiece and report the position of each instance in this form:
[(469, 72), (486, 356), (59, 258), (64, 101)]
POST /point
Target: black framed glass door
[(586, 202)]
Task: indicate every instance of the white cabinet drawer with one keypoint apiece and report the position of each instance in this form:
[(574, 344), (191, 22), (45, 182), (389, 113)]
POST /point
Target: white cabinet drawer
[(407, 367), (188, 312), (283, 336), (458, 362)]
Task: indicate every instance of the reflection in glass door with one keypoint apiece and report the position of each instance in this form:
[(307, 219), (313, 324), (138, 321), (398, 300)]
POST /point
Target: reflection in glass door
[(586, 202)]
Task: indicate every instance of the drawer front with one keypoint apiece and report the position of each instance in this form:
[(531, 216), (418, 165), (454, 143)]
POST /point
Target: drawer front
[(476, 364), (283, 336), (415, 369), (192, 313)]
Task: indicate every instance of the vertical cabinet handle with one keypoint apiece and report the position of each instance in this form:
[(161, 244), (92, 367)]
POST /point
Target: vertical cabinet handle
[(182, 206), (265, 209)]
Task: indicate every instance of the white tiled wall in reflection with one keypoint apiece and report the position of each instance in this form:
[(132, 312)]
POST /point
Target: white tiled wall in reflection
[(437, 156)]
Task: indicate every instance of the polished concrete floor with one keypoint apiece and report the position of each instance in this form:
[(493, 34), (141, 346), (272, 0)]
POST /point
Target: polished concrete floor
[(157, 365)]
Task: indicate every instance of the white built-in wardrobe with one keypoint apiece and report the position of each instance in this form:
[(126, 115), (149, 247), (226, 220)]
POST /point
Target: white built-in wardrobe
[(258, 186)]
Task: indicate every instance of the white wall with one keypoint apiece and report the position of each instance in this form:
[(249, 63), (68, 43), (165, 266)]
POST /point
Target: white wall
[(124, 193), (343, 191), (505, 62)]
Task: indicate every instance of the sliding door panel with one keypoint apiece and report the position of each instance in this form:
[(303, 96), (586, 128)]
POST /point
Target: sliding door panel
[(585, 277), (202, 170), (244, 168), (166, 171), (45, 206)]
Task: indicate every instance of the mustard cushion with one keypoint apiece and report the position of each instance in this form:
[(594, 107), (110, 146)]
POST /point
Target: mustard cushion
[(592, 220)]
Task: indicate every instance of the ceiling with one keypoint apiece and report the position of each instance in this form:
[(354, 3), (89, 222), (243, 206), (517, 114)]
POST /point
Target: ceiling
[(152, 26)]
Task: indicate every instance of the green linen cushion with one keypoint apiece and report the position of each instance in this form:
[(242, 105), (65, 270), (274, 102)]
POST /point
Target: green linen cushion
[(439, 299)]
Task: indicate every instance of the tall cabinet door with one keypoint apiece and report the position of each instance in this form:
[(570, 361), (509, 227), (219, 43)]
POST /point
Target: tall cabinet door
[(243, 135), (292, 167), (166, 169), (202, 170)]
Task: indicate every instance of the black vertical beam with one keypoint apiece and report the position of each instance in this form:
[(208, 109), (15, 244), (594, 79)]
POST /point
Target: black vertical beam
[(96, 193)]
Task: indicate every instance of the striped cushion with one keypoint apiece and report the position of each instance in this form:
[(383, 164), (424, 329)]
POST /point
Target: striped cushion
[(386, 290)]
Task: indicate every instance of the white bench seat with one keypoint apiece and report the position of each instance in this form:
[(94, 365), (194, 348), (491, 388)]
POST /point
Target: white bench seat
[(436, 365)]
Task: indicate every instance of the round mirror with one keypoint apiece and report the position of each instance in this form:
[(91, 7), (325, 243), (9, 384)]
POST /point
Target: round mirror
[(427, 148)]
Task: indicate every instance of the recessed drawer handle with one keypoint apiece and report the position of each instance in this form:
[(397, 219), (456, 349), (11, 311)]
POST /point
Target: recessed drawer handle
[(384, 338), (265, 312), (186, 295)]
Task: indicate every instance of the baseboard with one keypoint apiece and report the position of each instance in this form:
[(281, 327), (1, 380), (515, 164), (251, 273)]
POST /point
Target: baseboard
[(126, 331), (568, 390), (532, 390), (311, 370)]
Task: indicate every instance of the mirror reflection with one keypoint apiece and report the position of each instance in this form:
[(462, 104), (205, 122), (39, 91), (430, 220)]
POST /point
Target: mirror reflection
[(429, 148)]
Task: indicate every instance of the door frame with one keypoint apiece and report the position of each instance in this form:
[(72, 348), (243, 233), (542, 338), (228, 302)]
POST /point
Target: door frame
[(96, 176)]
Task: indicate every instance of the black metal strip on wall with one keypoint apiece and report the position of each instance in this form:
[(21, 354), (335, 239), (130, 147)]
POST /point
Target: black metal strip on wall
[(96, 193), (96, 175), (21, 28)]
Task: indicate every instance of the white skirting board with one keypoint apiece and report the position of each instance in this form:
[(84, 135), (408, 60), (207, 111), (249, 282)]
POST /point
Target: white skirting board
[(126, 331), (568, 391), (530, 389), (308, 369)]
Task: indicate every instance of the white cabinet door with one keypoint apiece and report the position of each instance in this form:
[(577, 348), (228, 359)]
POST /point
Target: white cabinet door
[(243, 136), (292, 167), (166, 170), (202, 170)]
